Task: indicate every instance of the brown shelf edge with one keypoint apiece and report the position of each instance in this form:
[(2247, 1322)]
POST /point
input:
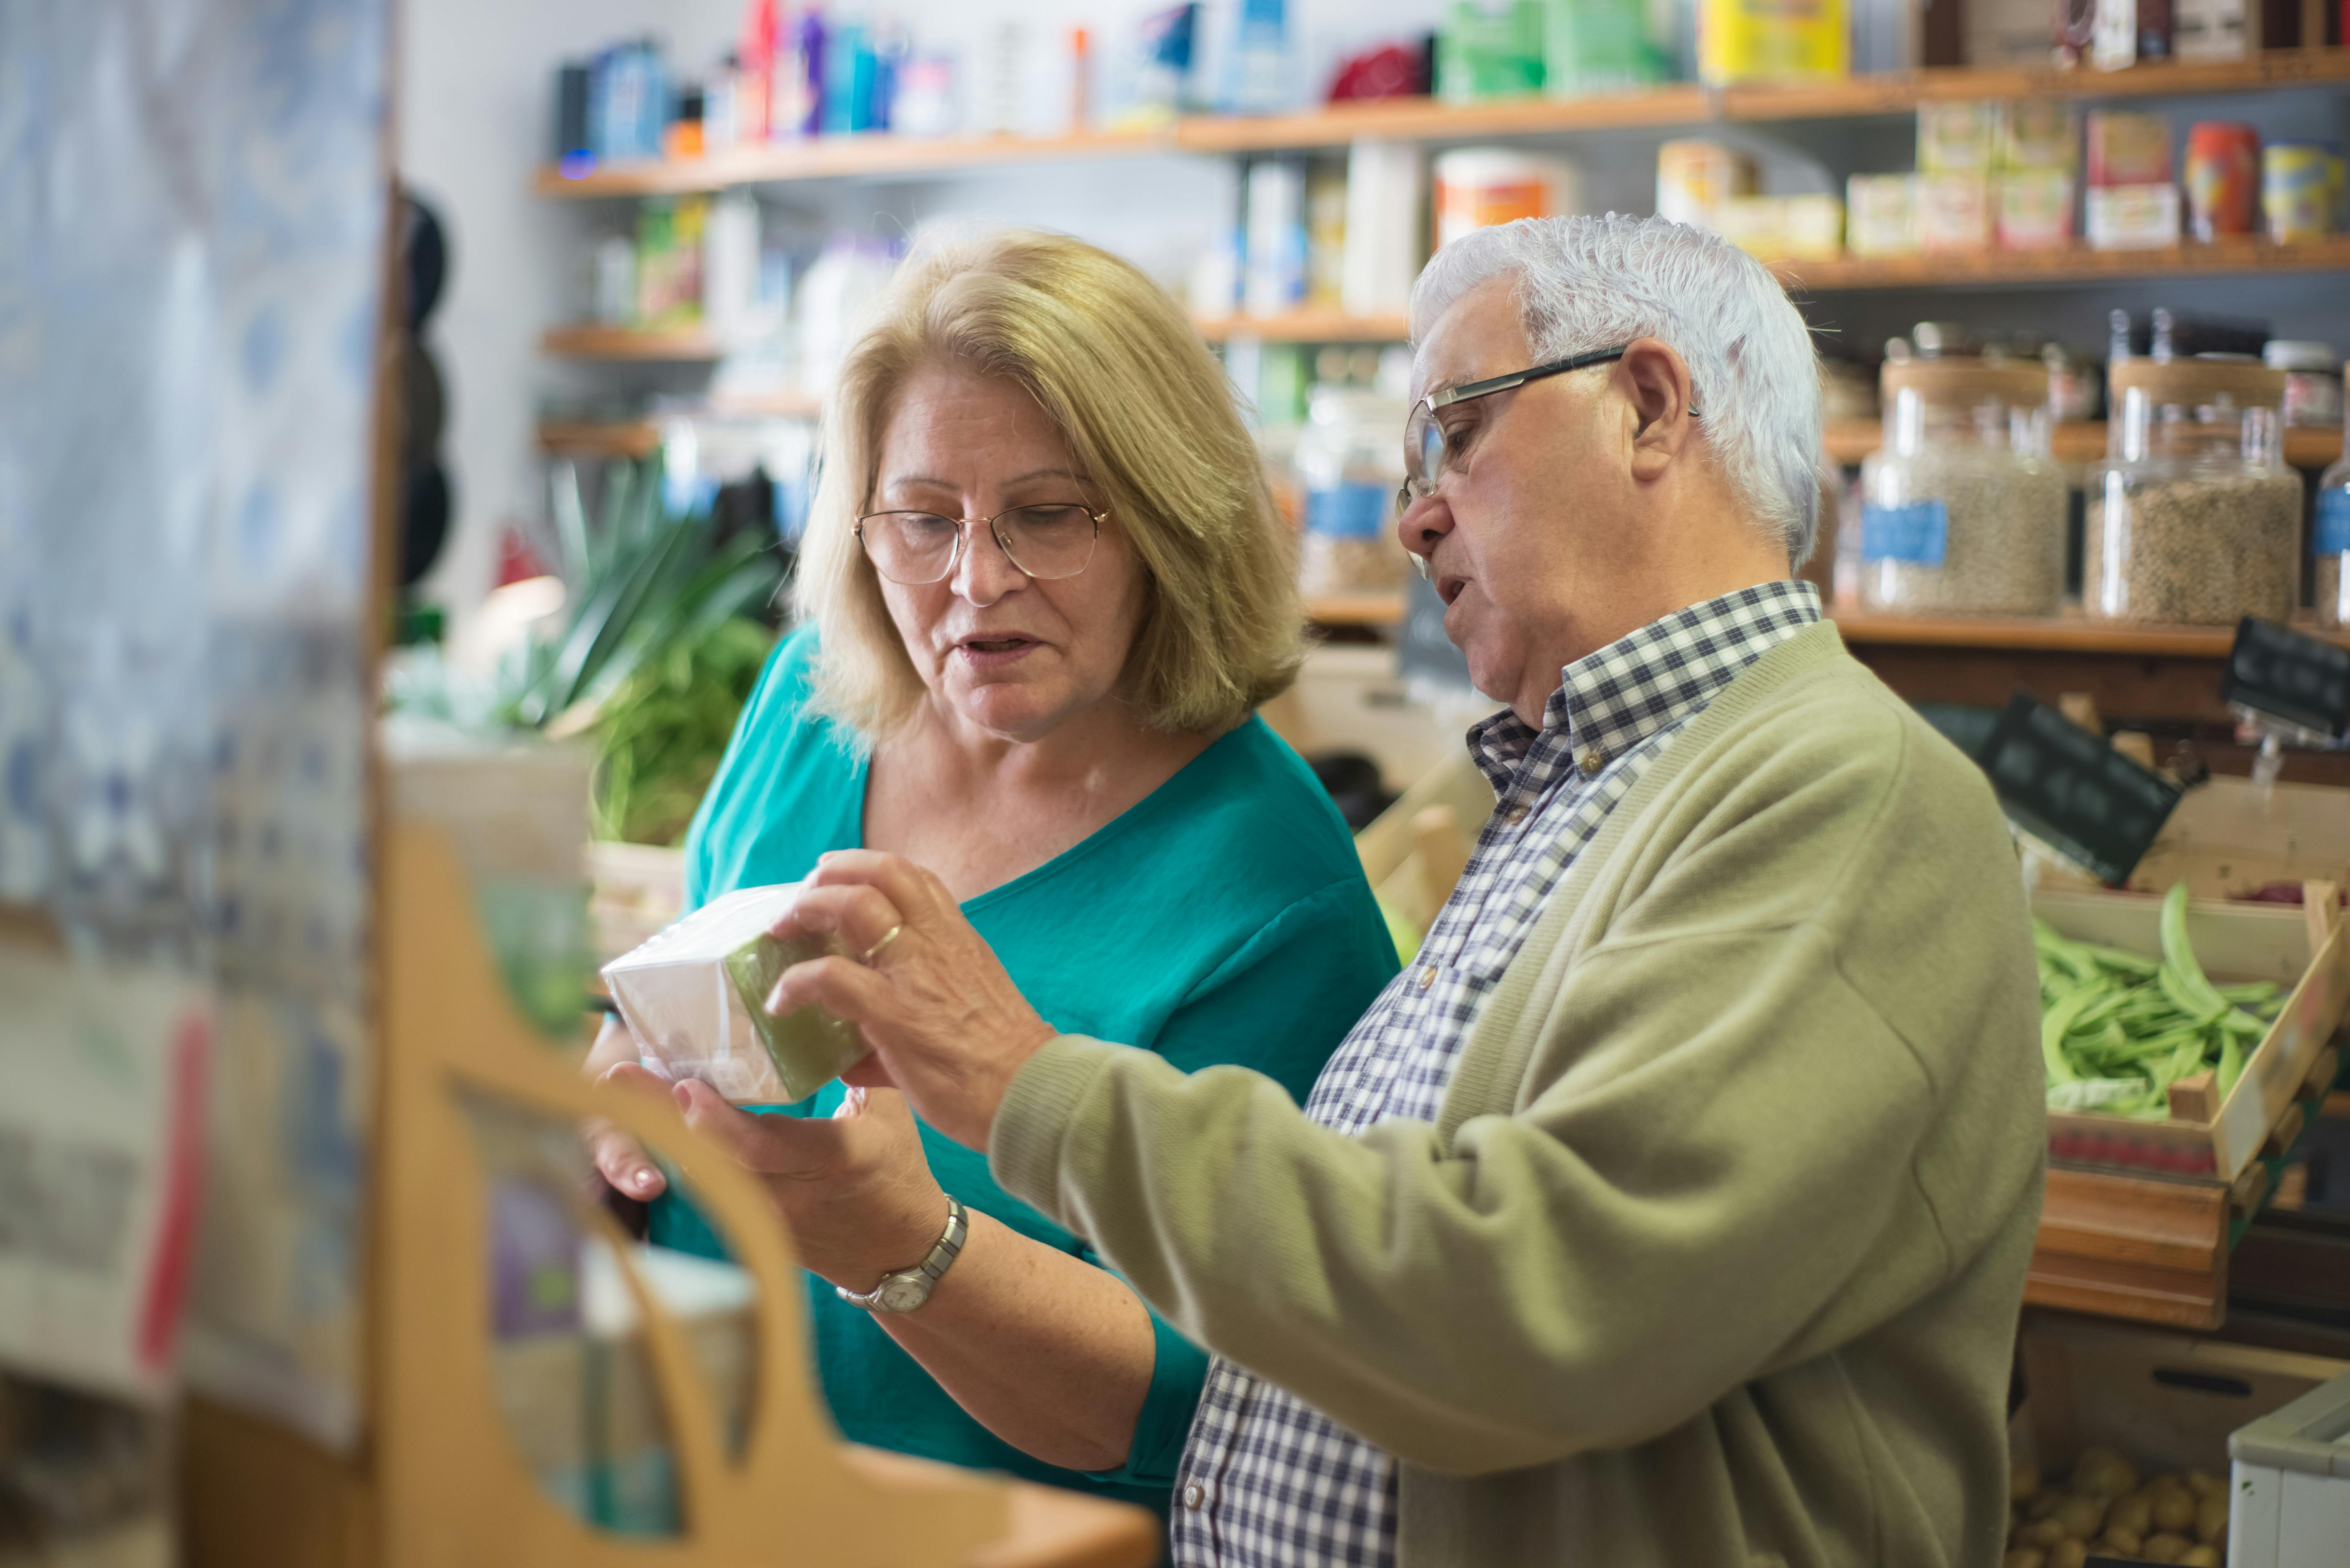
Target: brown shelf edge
[(587, 342), (2075, 263), (1306, 326), (1355, 609), (1849, 440), (2060, 634), (1430, 119)]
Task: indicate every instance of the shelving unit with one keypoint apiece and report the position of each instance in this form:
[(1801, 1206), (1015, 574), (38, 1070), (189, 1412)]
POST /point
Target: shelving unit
[(2067, 265), (597, 342), (1308, 326), (1849, 440), (1679, 105)]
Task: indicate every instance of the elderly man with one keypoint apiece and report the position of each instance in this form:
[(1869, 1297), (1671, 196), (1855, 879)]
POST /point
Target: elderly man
[(1672, 1207)]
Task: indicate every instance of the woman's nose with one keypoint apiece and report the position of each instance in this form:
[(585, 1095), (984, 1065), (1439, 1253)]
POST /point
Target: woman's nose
[(985, 574)]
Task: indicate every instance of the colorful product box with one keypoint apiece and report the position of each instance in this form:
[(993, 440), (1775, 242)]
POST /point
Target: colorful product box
[(1956, 138), (2129, 148), (2038, 133), (2133, 217), (1954, 212), (1881, 215), (2036, 209)]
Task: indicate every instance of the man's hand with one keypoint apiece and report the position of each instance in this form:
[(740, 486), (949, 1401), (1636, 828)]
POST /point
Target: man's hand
[(946, 1024)]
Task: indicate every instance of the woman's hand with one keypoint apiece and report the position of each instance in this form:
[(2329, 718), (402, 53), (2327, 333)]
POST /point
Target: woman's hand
[(619, 1158), (946, 1022), (854, 1190)]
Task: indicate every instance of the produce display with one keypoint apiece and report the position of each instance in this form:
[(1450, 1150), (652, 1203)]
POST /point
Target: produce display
[(2117, 1029), (2108, 1510)]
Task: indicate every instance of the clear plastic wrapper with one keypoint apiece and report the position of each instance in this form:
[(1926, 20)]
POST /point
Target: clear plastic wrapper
[(692, 997)]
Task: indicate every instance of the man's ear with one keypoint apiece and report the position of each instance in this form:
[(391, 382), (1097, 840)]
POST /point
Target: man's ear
[(1655, 380)]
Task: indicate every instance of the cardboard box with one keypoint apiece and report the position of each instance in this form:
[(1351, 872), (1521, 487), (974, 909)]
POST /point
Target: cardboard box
[(1954, 213)]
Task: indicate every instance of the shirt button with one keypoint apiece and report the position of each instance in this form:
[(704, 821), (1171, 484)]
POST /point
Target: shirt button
[(1592, 760), (1426, 977), (1517, 814), (1194, 1495)]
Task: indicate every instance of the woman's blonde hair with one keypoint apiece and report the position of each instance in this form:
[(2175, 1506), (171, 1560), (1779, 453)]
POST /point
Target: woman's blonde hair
[(1151, 418)]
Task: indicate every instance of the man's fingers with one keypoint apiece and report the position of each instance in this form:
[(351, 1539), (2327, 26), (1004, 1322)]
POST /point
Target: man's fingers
[(841, 986), (917, 894), (858, 915)]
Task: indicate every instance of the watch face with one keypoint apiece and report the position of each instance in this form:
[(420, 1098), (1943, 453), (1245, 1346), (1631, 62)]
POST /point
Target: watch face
[(904, 1295)]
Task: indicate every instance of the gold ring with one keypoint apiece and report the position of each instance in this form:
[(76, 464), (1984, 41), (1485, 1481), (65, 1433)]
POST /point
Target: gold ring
[(867, 957)]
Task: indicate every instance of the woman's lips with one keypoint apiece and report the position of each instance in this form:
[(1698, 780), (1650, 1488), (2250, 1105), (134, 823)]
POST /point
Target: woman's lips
[(995, 652)]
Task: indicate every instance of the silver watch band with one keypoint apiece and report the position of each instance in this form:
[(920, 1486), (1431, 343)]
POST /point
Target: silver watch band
[(909, 1288)]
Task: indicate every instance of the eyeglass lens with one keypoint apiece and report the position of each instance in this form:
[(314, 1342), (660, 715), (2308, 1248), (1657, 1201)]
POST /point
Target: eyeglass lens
[(1045, 542), (1423, 450)]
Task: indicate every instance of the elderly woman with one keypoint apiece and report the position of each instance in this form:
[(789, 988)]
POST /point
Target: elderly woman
[(1043, 590)]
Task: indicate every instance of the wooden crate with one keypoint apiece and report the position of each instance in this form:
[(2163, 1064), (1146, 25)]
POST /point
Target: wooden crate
[(2228, 838), (2163, 1401), (2298, 948)]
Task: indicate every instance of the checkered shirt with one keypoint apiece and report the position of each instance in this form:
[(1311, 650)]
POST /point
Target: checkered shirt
[(1267, 1481)]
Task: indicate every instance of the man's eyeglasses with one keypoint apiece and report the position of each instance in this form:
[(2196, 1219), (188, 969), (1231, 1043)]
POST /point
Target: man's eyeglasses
[(1047, 542), (1423, 434)]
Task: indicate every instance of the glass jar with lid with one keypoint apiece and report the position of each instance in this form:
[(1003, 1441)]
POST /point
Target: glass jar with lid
[(1962, 509), (1350, 465), (2333, 534), (2193, 517)]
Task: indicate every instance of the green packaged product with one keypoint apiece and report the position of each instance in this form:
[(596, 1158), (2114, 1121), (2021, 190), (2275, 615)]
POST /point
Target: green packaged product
[(695, 999)]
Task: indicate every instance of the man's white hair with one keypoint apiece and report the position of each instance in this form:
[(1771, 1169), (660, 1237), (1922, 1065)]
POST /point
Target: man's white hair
[(1591, 283)]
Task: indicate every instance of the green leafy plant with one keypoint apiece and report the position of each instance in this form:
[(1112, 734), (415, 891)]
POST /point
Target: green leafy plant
[(660, 735), (645, 582)]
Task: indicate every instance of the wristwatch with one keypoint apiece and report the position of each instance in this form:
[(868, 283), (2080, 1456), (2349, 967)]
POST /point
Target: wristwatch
[(909, 1288)]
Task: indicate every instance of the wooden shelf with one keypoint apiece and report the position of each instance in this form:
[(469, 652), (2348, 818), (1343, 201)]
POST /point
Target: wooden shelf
[(594, 438), (2072, 633), (589, 342), (1308, 326), (1849, 440), (1355, 609), (833, 157), (1679, 104), (2070, 264)]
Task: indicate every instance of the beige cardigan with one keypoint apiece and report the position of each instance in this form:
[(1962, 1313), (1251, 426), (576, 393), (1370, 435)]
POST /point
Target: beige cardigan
[(1714, 1254)]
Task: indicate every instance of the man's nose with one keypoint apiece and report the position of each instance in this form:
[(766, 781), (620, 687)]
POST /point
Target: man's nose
[(1423, 524), (985, 574)]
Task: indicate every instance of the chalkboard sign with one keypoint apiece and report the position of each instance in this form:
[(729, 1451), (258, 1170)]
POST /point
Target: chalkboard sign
[(1423, 650), (2289, 675), (2069, 788)]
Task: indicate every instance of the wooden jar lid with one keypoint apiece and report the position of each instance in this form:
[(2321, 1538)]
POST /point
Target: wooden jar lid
[(2018, 383), (2199, 381)]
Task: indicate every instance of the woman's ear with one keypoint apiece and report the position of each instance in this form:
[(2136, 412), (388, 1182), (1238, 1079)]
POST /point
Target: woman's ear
[(1655, 380)]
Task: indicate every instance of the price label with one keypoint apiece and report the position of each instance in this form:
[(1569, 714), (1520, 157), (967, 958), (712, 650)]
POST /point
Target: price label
[(2069, 788), (2289, 675), (1423, 650)]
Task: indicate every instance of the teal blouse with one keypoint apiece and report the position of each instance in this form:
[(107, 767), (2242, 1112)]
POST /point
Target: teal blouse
[(1222, 919)]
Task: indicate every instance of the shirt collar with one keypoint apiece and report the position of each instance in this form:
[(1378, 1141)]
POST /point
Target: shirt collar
[(1613, 698)]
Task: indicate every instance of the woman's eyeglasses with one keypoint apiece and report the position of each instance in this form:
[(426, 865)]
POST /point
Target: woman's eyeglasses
[(1045, 542)]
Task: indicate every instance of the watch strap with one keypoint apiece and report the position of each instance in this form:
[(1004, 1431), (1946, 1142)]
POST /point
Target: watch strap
[(924, 1275)]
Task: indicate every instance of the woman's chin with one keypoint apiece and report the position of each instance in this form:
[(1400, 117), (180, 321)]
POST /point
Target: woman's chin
[(1013, 711)]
